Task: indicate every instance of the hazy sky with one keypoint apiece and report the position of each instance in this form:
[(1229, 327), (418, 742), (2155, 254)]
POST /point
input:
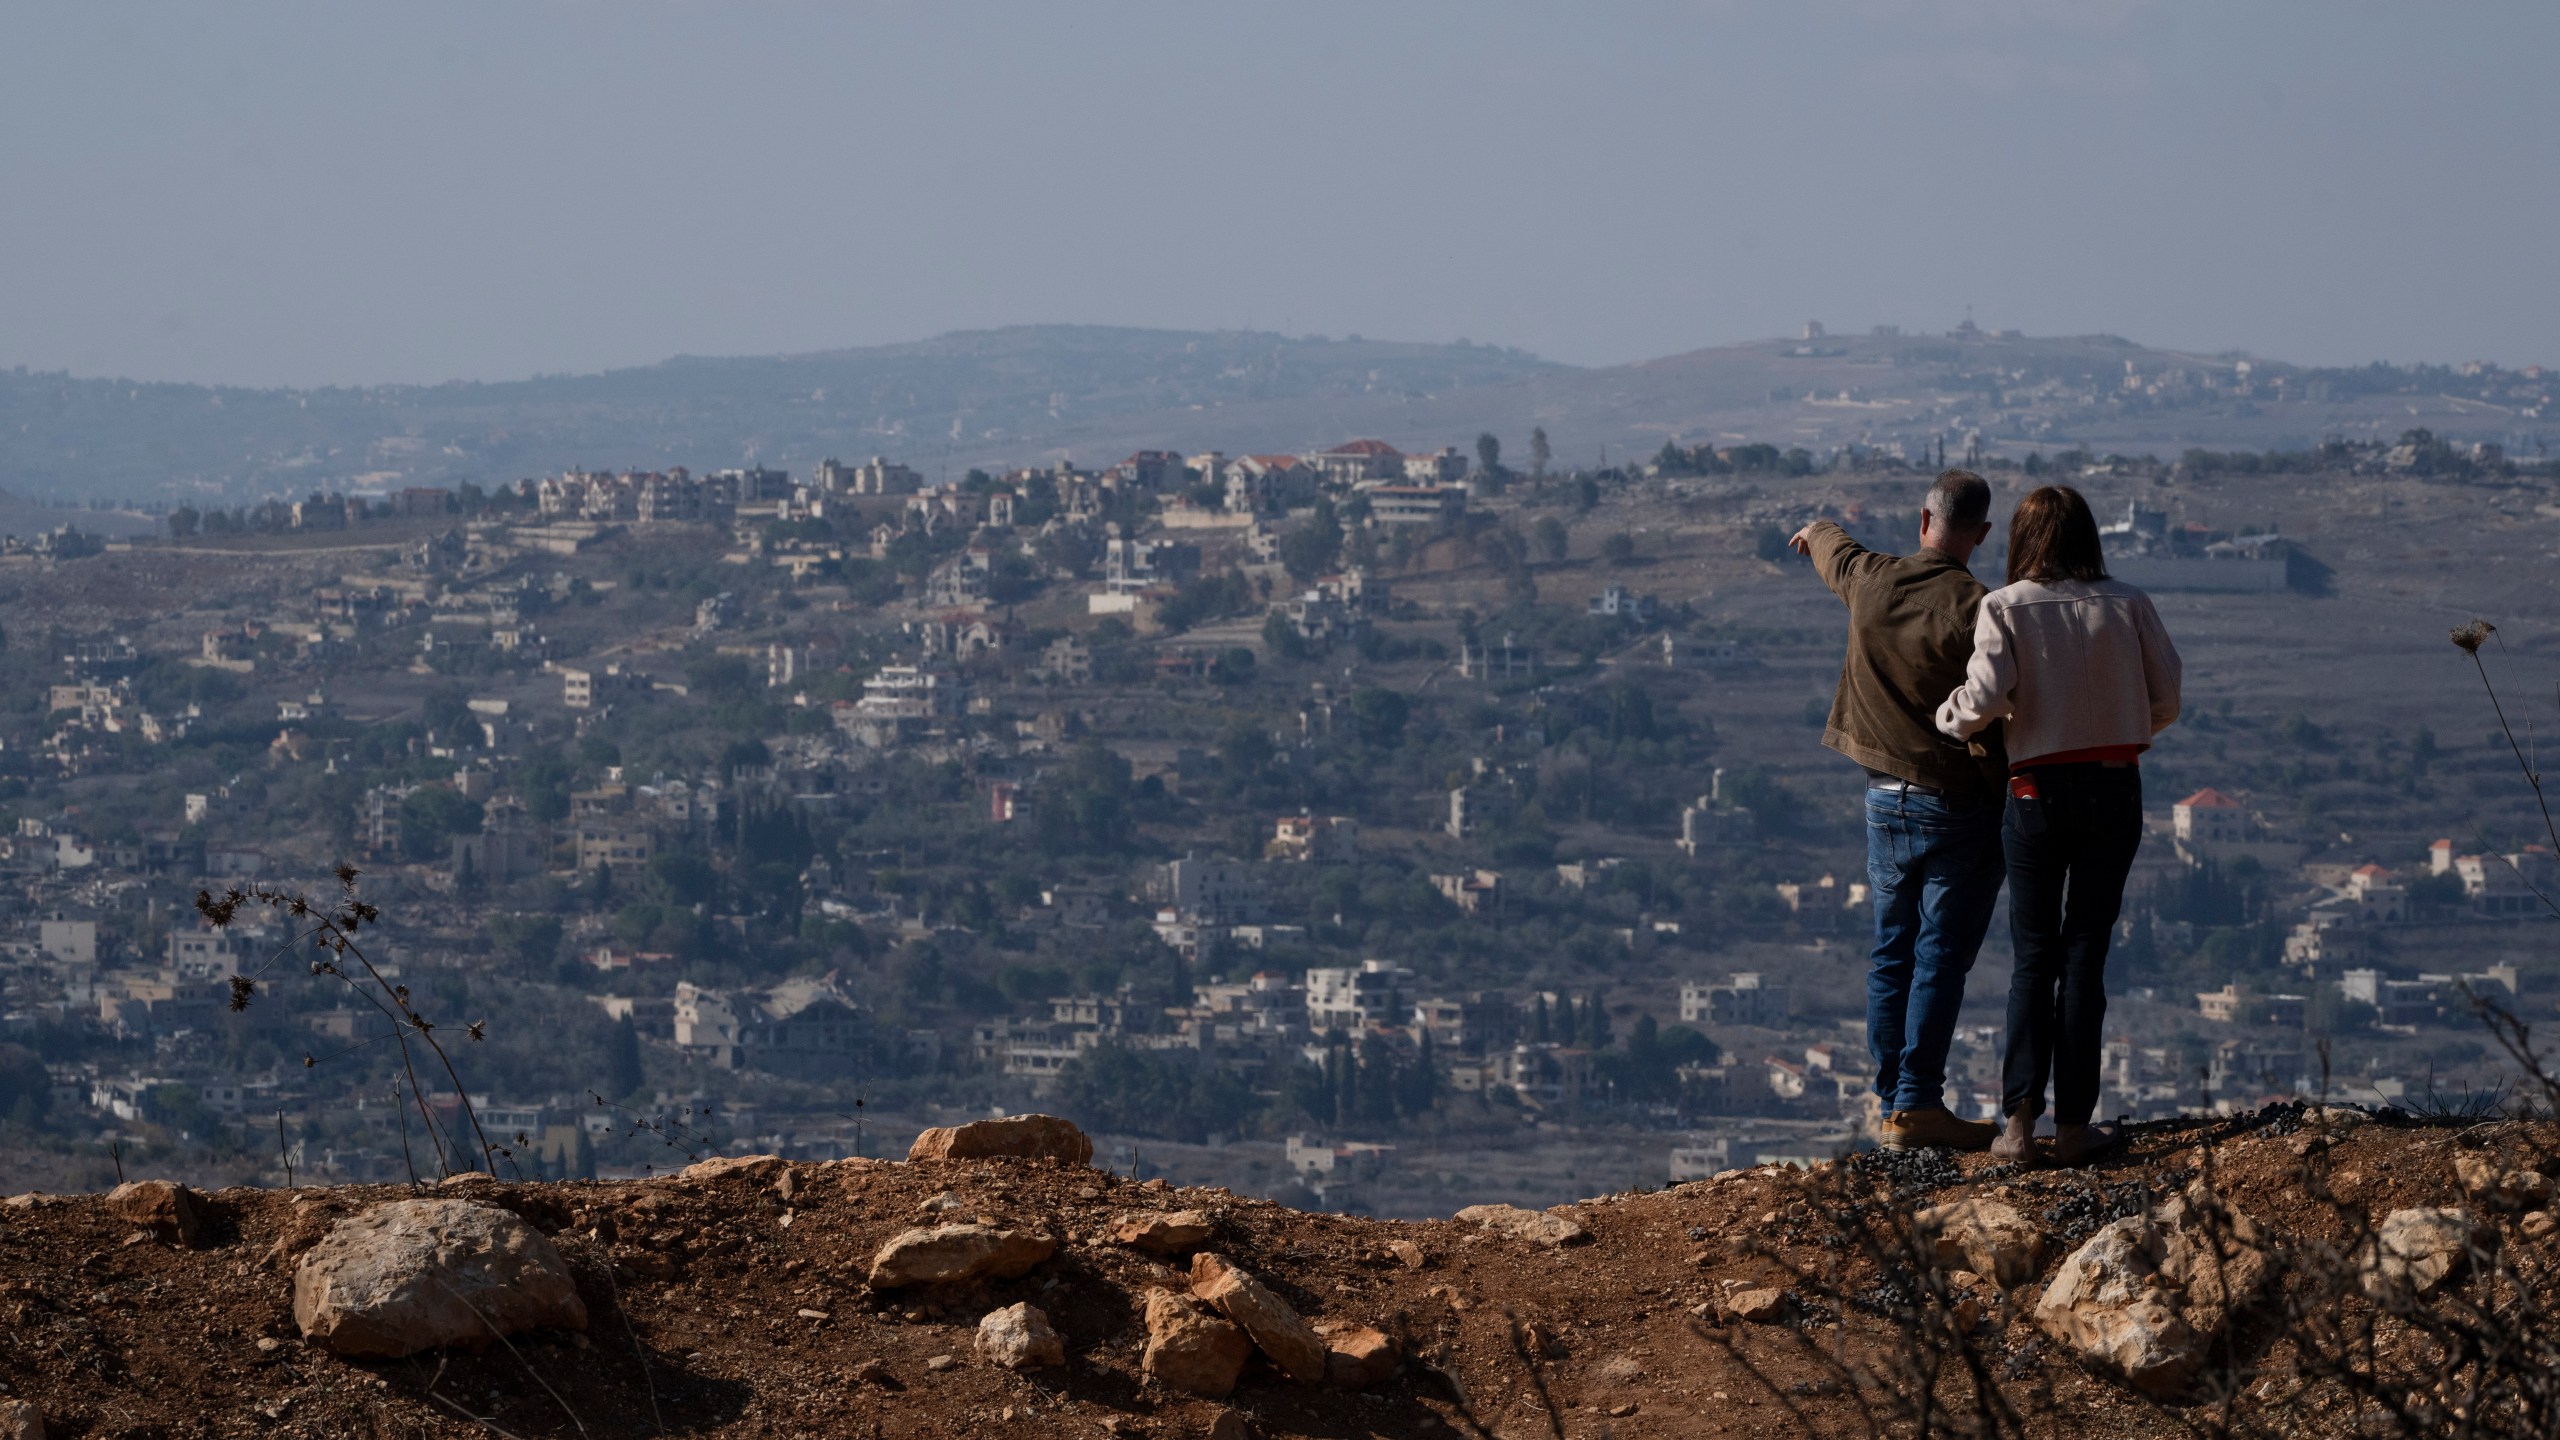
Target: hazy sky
[(344, 192)]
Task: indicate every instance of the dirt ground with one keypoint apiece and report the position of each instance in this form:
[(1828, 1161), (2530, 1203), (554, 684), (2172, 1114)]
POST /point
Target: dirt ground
[(719, 1308)]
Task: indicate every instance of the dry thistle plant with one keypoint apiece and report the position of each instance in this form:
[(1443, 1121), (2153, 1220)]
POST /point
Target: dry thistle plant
[(330, 934), (2469, 639)]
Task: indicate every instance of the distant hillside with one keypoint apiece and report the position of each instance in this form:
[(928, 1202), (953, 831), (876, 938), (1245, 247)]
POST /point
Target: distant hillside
[(1093, 393), (1013, 393)]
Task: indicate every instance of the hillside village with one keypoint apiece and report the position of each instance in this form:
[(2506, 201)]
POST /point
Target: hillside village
[(1416, 823)]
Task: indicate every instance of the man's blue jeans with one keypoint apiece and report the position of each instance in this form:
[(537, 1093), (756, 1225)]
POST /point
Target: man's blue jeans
[(1933, 869)]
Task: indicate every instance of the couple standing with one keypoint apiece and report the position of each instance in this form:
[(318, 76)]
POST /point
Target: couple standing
[(2000, 733)]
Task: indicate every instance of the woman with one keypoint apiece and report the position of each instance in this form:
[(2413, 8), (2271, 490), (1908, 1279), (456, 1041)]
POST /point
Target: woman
[(2078, 666)]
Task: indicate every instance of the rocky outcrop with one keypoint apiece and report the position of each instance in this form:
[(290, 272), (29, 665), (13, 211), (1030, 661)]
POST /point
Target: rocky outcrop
[(2488, 1179), (2415, 1250), (172, 1213), (2147, 1294), (1190, 1349), (1537, 1227), (418, 1275), (1988, 1237), (1019, 1337), (1277, 1330), (1022, 1137), (953, 1254), (1178, 1233)]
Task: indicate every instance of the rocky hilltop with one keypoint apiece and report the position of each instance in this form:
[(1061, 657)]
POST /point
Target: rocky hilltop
[(2223, 1277)]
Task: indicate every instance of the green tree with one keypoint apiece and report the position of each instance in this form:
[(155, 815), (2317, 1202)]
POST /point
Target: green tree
[(622, 1060), (184, 521), (1310, 549), (1539, 454), (719, 677), (1381, 714), (1488, 453), (1553, 540), (447, 712), (1619, 548), (431, 817)]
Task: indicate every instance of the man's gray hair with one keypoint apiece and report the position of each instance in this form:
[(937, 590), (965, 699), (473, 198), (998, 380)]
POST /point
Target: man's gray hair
[(1959, 497)]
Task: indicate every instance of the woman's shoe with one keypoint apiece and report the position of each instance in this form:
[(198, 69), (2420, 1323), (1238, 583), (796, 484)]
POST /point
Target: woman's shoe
[(2017, 1142), (2080, 1144)]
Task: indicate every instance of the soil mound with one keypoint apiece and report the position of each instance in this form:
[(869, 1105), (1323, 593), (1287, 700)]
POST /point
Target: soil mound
[(737, 1300)]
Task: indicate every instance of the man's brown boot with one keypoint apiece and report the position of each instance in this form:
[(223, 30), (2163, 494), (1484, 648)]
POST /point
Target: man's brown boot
[(1933, 1129), (2017, 1143)]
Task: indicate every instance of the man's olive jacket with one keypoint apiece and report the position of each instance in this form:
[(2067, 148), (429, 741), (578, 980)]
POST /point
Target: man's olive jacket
[(1910, 636)]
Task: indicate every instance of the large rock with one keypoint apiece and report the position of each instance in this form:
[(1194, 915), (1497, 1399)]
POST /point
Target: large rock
[(1023, 1137), (722, 1167), (418, 1275), (1191, 1350), (172, 1213), (1174, 1234), (1278, 1330), (2147, 1294), (1990, 1238), (2490, 1180), (949, 1254), (1356, 1356), (2415, 1250), (1018, 1337), (1538, 1227)]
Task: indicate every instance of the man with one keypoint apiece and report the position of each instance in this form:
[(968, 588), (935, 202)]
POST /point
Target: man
[(1934, 861)]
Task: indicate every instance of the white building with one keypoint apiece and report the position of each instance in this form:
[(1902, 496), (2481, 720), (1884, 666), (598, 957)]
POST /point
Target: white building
[(1377, 992)]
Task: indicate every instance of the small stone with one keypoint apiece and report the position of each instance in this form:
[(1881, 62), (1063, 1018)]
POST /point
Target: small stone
[(940, 1363), (1623, 1409), (1155, 1184), (2538, 1225), (872, 1372), (172, 1213), (1965, 1314), (1088, 1192), (1019, 1337), (1277, 1329), (808, 1314), (1024, 1137), (787, 1185), (20, 1421), (1761, 1305), (1230, 1425), (268, 1344), (1537, 1227), (941, 1204), (1356, 1356), (1991, 1238), (955, 1253), (1407, 1253), (1191, 1350), (1174, 1234)]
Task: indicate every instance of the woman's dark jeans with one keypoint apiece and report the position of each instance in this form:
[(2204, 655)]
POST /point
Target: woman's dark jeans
[(2065, 887)]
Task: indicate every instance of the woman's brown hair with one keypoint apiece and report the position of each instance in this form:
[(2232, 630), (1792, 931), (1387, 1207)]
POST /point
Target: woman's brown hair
[(2052, 536)]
